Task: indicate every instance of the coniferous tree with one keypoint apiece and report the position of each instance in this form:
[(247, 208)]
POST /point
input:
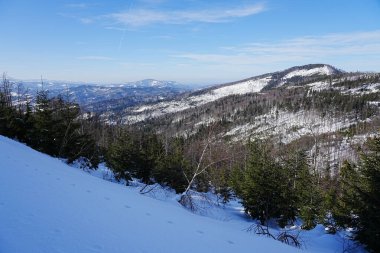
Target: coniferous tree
[(262, 185), (44, 132), (7, 112), (120, 157), (359, 202), (369, 214), (310, 208), (150, 151), (171, 167), (348, 201), (298, 189)]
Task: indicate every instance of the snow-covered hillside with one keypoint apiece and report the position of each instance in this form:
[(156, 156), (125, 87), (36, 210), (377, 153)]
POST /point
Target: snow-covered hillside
[(47, 206), (324, 70), (251, 85), (289, 126), (156, 110)]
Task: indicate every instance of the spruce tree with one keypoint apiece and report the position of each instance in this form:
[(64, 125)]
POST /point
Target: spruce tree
[(171, 167), (120, 157), (262, 186), (299, 188), (369, 194), (43, 138), (347, 204), (150, 151)]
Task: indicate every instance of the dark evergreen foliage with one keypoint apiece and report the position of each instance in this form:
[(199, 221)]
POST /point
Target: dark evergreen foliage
[(358, 204), (171, 167), (274, 189), (368, 191), (54, 127)]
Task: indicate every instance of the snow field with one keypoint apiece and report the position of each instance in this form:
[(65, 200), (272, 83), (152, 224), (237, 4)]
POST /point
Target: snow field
[(47, 206)]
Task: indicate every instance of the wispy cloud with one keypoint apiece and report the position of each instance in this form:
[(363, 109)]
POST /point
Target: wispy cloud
[(77, 5), (86, 20), (114, 28), (83, 20), (152, 1), (308, 48), (95, 58), (142, 17), (164, 37), (332, 44)]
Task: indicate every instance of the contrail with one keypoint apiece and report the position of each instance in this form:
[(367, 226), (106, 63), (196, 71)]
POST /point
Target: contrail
[(123, 35), (121, 40)]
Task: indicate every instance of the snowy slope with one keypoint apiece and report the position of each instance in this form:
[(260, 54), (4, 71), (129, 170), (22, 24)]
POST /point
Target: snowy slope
[(324, 70), (159, 109), (251, 85), (47, 206)]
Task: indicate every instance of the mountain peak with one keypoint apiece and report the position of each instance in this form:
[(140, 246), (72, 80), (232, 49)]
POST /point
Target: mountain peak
[(310, 70)]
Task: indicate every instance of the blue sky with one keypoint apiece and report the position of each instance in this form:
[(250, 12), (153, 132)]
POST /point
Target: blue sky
[(190, 41)]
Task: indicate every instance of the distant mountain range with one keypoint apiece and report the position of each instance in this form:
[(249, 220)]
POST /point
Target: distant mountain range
[(100, 98)]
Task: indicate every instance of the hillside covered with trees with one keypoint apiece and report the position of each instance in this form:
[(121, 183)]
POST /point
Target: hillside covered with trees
[(275, 180)]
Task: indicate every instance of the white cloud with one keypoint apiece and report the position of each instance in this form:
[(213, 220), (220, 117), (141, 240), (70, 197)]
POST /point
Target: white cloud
[(332, 44), (141, 17), (86, 20), (95, 58), (308, 48), (115, 28), (77, 5)]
